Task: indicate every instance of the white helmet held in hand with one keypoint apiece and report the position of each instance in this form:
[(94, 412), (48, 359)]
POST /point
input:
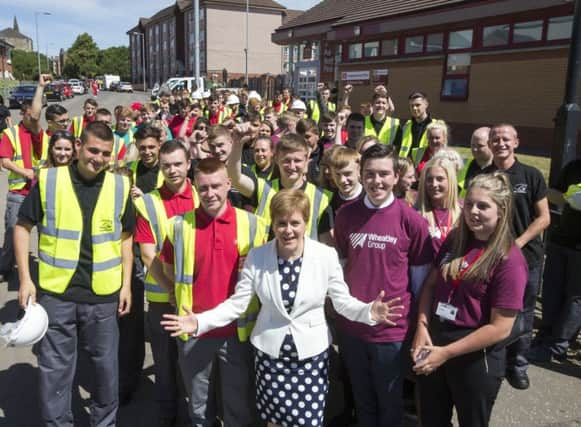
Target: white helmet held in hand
[(28, 330)]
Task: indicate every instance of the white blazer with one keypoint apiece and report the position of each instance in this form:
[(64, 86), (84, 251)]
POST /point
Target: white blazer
[(321, 276)]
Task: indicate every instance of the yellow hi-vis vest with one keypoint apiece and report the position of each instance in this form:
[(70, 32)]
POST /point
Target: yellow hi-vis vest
[(152, 209), (18, 182), (462, 177), (407, 140), (316, 113), (223, 114), (250, 233), (388, 130), (319, 200), (118, 143), (78, 125), (59, 243), (133, 167)]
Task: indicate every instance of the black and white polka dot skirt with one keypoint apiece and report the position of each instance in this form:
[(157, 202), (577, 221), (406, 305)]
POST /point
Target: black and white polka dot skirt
[(291, 392)]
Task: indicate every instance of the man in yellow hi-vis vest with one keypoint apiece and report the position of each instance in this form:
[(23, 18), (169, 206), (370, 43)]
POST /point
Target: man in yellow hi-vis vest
[(85, 220), (203, 253), (412, 139), (321, 105), (174, 197), (80, 122)]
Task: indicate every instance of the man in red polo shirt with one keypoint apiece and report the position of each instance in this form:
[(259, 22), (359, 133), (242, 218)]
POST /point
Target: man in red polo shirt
[(174, 197), (218, 252), (20, 153)]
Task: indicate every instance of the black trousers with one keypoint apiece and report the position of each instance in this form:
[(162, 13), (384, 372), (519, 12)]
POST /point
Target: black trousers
[(470, 383), (132, 337)]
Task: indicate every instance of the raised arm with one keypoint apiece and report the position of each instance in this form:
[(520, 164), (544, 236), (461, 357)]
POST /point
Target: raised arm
[(234, 165), (36, 110)]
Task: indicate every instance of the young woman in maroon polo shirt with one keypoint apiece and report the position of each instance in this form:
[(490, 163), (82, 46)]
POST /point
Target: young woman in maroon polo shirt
[(437, 199), (468, 305)]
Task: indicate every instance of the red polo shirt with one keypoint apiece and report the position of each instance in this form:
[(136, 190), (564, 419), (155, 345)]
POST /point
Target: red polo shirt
[(28, 142), (176, 124), (174, 204), (215, 264)]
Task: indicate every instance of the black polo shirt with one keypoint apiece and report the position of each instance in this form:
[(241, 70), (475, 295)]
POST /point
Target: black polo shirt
[(568, 232), (473, 170), (147, 177), (87, 192), (528, 187), (418, 130)]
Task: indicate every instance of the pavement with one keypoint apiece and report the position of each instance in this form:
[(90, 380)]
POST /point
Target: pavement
[(553, 400)]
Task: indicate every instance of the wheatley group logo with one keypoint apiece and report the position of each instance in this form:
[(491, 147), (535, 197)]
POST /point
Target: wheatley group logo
[(374, 241)]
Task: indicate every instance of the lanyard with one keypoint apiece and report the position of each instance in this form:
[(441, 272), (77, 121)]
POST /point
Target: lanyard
[(441, 229), (464, 267)]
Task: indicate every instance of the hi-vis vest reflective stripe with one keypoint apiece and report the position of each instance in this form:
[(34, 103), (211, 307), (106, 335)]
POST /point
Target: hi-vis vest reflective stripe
[(387, 132), (133, 166), (278, 109), (152, 209), (250, 233), (319, 201), (18, 182), (60, 232), (406, 144), (316, 113), (222, 115), (254, 170), (462, 178), (118, 143), (78, 125)]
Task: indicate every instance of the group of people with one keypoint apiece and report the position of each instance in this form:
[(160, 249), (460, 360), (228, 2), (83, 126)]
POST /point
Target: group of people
[(260, 233)]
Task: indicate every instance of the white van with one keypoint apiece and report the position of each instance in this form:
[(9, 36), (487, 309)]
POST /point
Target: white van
[(184, 82)]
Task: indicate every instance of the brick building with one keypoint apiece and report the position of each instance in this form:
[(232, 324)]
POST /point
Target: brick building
[(169, 40), (5, 61), (13, 36), (479, 61)]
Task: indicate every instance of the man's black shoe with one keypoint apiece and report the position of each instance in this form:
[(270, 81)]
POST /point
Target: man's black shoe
[(518, 381)]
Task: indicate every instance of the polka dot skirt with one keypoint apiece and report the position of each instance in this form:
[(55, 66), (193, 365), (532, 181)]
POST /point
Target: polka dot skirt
[(291, 392)]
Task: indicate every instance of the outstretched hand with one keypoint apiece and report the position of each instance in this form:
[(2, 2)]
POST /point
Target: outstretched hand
[(386, 311), (179, 325)]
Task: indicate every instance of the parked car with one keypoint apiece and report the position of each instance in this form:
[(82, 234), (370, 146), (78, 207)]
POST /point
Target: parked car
[(77, 86), (55, 92), (23, 93), (114, 86), (125, 87)]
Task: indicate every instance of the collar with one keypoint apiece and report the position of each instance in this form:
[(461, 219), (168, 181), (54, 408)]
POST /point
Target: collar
[(388, 202), (166, 193), (78, 179), (227, 217), (356, 194)]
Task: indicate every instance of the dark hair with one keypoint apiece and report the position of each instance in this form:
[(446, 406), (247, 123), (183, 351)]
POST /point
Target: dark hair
[(103, 112), (59, 134), (202, 121), (305, 125), (184, 103), (145, 132), (417, 94), (270, 126), (253, 117), (90, 101), (379, 151), (169, 147), (265, 138), (54, 110), (355, 117), (1, 100), (327, 117), (99, 130), (25, 105)]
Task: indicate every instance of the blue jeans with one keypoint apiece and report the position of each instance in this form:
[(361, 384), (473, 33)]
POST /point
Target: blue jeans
[(561, 299), (375, 371), (515, 352), (13, 202)]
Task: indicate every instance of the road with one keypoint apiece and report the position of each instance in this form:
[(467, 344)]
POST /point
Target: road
[(554, 398)]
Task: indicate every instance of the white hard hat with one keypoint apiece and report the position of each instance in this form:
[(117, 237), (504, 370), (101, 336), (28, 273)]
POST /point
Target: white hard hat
[(254, 94), (232, 100), (27, 331), (298, 105)]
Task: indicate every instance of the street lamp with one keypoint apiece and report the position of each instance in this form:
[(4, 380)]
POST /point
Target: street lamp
[(36, 13), (142, 41)]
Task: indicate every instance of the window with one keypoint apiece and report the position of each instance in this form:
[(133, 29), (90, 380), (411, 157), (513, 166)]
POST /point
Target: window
[(526, 32), (496, 35), (371, 49), (456, 76), (435, 42), (414, 44), (355, 51), (389, 47), (460, 39), (560, 28)]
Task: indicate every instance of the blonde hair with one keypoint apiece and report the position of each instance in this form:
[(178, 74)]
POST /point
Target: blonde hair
[(364, 140), (439, 125), (497, 185), (452, 155), (402, 165), (451, 203), (285, 202)]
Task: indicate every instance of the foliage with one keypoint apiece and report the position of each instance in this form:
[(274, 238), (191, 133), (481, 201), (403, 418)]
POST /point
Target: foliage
[(81, 58), (115, 60), (25, 65)]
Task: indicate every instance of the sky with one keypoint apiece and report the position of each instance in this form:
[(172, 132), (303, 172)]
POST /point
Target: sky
[(106, 21)]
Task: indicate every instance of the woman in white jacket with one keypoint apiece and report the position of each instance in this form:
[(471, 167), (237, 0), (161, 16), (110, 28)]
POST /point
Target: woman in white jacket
[(291, 275)]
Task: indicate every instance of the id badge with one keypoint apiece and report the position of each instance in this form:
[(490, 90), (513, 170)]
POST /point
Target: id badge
[(446, 311)]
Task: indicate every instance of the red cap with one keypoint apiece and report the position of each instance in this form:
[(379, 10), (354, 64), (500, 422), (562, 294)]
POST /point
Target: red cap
[(136, 106)]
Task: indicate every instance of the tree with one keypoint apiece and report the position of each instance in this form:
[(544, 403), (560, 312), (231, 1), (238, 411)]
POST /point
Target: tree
[(25, 65), (81, 60), (115, 60)]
